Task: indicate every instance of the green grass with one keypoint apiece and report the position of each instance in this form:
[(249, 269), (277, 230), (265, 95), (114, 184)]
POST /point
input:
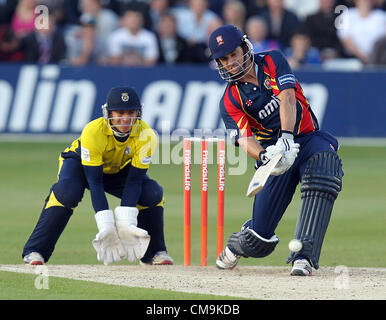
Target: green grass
[(356, 235), (19, 286)]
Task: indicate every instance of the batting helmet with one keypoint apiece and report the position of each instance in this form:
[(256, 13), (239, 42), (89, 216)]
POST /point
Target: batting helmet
[(224, 40)]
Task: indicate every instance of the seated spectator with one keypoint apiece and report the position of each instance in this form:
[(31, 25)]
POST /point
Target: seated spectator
[(365, 25), (133, 44), (193, 24), (256, 29), (10, 45), (120, 7), (281, 22), (7, 10), (44, 45), (157, 8), (23, 20), (378, 54), (193, 21), (300, 53), (87, 42), (322, 31), (234, 14), (172, 48), (302, 8)]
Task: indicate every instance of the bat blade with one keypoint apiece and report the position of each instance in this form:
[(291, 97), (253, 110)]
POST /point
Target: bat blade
[(261, 176)]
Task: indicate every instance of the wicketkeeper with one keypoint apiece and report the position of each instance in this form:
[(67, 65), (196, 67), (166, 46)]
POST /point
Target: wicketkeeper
[(266, 112), (112, 155)]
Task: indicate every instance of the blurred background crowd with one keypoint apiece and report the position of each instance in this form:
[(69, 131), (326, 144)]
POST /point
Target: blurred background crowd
[(150, 32)]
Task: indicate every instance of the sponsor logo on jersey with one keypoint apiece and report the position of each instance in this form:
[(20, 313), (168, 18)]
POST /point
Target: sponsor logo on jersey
[(146, 160), (287, 78), (85, 153)]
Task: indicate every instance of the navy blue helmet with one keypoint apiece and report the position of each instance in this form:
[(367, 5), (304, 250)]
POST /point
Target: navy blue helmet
[(223, 41)]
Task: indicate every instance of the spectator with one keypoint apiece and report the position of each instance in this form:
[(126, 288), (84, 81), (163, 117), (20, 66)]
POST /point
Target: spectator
[(302, 8), (256, 29), (45, 45), (87, 42), (120, 7), (157, 8), (234, 13), (322, 31), (378, 54), (281, 22), (193, 21), (7, 10), (254, 7), (300, 53), (72, 12), (192, 24), (365, 25), (172, 48), (23, 20), (10, 45), (133, 44)]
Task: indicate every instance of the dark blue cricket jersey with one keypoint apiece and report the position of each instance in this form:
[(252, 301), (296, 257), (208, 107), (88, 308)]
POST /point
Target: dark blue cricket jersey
[(247, 109)]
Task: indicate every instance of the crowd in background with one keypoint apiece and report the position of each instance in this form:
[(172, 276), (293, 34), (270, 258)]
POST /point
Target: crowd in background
[(150, 32)]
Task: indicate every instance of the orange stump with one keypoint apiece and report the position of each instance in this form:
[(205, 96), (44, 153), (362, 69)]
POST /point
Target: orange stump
[(187, 205)]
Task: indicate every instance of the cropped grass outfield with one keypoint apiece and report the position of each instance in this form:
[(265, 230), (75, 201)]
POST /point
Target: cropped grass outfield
[(355, 238)]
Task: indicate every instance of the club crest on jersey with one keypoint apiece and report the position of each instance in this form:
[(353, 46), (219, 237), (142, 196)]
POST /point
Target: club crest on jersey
[(267, 83), (219, 40), (248, 102), (125, 96), (127, 151)]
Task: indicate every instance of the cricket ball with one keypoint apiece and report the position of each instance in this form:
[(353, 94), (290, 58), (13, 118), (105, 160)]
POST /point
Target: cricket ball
[(295, 245)]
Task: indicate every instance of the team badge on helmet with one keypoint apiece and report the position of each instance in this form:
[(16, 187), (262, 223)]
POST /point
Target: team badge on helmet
[(223, 41), (220, 40), (125, 96)]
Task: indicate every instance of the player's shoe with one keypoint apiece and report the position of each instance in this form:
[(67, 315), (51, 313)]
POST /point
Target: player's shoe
[(160, 258), (227, 259), (34, 259), (301, 267)]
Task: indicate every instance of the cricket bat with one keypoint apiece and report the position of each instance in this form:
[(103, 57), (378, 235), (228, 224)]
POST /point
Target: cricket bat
[(261, 176)]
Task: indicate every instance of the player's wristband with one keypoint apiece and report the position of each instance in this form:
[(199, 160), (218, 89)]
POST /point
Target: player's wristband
[(285, 134), (262, 156)]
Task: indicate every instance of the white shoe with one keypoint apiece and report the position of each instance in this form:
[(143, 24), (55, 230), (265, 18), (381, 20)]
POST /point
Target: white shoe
[(227, 259), (301, 267), (160, 258), (34, 259)]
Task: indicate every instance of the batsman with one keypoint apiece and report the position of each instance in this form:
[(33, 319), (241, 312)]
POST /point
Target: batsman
[(266, 113), (112, 154)]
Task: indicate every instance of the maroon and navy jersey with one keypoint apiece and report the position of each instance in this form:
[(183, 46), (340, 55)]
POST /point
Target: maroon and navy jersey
[(248, 110)]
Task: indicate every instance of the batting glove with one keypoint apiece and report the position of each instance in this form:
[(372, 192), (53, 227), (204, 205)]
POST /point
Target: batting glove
[(290, 152), (106, 243), (134, 240)]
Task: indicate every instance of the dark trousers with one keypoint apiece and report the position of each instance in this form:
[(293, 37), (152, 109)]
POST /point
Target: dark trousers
[(68, 191), (272, 201)]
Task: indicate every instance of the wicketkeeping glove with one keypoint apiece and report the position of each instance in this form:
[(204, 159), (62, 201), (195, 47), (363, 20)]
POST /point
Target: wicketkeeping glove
[(106, 243), (134, 240)]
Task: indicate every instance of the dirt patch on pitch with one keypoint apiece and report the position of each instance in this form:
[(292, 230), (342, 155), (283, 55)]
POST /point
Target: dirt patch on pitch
[(269, 283)]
